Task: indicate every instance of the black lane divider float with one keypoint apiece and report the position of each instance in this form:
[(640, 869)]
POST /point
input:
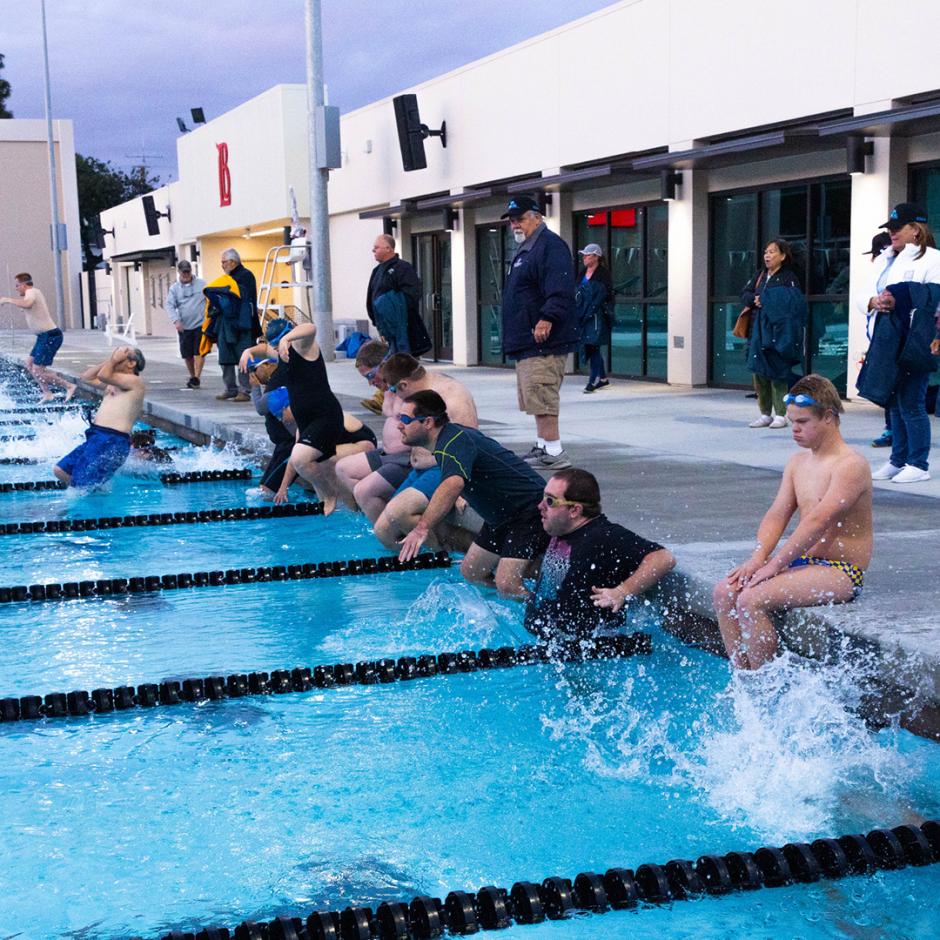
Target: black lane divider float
[(526, 902), (19, 460), (32, 485), (237, 514), (205, 476), (108, 587), (17, 437), (302, 678)]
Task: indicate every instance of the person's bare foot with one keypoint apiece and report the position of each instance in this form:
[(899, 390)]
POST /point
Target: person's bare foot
[(70, 391), (329, 505)]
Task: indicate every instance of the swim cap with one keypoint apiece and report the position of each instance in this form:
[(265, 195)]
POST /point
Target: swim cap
[(276, 329), (278, 401)]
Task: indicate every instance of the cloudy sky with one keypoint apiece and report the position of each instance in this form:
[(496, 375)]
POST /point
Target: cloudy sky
[(124, 71)]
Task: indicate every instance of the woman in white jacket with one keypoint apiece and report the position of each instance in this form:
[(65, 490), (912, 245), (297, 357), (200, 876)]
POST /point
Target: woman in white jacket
[(913, 256)]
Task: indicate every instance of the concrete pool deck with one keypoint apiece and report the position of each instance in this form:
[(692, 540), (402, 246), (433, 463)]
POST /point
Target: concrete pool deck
[(680, 466)]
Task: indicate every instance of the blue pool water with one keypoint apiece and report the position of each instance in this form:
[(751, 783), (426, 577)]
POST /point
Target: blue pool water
[(139, 823)]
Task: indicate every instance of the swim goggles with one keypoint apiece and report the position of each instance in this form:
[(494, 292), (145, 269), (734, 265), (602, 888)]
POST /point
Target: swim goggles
[(254, 363), (801, 400), (280, 336), (407, 419)]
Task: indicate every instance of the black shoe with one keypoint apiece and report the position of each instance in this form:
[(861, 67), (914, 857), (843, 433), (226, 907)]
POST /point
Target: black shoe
[(193, 382), (601, 383), (590, 388)]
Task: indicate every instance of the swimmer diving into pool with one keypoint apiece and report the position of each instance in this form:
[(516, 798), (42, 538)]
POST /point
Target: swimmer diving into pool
[(824, 560), (108, 440)]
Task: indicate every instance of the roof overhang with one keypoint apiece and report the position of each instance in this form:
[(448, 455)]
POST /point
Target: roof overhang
[(905, 121), (151, 254)]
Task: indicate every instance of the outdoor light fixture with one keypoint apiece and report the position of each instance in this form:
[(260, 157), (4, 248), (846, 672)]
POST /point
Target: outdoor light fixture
[(199, 116), (668, 181), (181, 124), (856, 149), (389, 225), (450, 219)]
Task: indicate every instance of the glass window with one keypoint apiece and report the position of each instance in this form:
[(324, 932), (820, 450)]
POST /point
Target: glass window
[(657, 250), (626, 339), (734, 234), (832, 212), (925, 189), (494, 253)]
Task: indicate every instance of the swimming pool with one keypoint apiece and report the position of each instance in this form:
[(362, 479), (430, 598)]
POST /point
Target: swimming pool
[(147, 821)]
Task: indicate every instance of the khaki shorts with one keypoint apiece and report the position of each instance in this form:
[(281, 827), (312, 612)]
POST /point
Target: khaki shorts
[(538, 380)]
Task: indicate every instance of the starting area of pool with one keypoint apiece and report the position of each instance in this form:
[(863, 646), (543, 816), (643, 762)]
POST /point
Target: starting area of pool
[(293, 736)]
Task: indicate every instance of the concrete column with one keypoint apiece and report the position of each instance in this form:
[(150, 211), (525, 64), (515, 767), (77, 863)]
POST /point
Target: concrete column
[(463, 263), (873, 195), (688, 281)]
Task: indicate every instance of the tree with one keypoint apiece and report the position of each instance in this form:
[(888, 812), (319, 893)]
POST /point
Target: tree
[(5, 92), (102, 186)]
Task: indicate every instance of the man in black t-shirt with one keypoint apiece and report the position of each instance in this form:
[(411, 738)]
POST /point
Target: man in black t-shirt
[(495, 482), (592, 566)]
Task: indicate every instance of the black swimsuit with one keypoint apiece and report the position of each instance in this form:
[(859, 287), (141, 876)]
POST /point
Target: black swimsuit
[(316, 409)]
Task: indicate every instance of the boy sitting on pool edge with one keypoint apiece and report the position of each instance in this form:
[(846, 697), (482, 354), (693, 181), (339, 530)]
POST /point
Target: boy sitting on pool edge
[(825, 558), (108, 440)]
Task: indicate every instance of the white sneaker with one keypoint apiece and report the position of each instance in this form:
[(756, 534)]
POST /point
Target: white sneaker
[(779, 421), (910, 474), (764, 421), (886, 471)]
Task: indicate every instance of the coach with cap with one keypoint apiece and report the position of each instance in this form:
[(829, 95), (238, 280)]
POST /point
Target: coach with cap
[(540, 325), (185, 306)]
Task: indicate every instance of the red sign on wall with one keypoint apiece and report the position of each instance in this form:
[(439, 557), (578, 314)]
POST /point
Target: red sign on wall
[(225, 178)]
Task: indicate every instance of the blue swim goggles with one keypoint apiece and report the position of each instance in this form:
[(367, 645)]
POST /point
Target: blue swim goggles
[(254, 363), (801, 401)]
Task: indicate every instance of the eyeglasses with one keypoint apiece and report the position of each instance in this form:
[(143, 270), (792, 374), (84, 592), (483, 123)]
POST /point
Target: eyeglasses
[(553, 501), (803, 401), (371, 374)]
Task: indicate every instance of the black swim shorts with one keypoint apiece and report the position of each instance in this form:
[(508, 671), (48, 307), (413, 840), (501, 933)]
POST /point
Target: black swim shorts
[(520, 537)]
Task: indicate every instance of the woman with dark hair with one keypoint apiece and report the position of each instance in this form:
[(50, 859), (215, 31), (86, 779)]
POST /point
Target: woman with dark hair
[(593, 297), (778, 317), (899, 363)]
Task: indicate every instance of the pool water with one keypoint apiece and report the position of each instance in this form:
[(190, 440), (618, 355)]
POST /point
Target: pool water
[(142, 822)]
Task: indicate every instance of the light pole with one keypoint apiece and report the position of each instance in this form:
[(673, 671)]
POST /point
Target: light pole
[(53, 188), (319, 177)]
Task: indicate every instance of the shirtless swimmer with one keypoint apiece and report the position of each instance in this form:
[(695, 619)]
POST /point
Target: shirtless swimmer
[(825, 558)]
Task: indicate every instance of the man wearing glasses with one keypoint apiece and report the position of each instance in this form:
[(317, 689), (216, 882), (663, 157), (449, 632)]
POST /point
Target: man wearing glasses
[(592, 566), (824, 560), (496, 483)]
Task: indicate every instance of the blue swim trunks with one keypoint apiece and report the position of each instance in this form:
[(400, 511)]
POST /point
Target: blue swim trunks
[(424, 481), (46, 346), (99, 458)]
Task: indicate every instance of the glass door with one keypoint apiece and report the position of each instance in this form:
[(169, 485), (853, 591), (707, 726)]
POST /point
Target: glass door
[(431, 252)]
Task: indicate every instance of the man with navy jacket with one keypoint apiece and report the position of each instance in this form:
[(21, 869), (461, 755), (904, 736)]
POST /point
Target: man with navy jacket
[(539, 325)]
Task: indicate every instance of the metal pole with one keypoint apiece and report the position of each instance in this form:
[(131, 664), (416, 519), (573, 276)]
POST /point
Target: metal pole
[(319, 206), (53, 189)]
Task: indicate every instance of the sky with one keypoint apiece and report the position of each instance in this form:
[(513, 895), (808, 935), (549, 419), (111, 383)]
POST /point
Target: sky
[(124, 71)]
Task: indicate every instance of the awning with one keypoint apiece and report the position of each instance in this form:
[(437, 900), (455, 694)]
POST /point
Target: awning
[(467, 197), (572, 179), (903, 122), (389, 212), (738, 149), (167, 254)]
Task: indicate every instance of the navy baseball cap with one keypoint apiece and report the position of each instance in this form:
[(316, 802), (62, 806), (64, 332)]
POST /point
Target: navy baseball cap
[(903, 214), (521, 204), (879, 243)]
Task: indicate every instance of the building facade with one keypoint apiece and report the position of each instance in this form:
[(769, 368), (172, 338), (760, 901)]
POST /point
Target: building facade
[(651, 128), (26, 210)]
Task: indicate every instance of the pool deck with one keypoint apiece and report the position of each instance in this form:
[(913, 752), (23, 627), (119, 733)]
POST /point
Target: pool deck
[(680, 466)]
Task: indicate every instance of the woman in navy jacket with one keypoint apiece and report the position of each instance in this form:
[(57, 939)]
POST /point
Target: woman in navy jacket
[(593, 297), (771, 366)]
